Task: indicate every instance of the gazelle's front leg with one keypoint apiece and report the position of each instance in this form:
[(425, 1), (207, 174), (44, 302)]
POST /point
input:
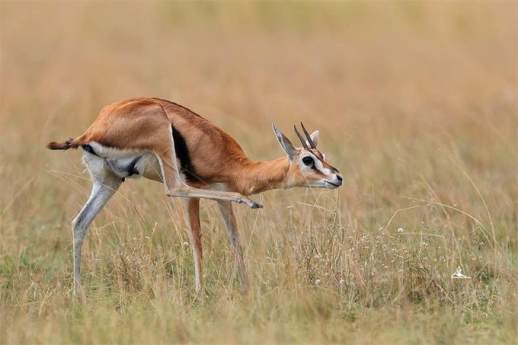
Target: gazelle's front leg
[(233, 237), (190, 192), (192, 206)]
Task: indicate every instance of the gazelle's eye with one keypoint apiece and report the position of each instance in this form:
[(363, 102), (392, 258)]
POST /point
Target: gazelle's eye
[(308, 161)]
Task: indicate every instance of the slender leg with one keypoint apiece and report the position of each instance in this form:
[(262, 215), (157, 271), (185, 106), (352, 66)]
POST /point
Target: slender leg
[(192, 206), (102, 190), (229, 218), (190, 192)]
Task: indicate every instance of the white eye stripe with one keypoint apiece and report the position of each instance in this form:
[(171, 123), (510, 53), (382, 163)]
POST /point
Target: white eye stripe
[(320, 167), (326, 171)]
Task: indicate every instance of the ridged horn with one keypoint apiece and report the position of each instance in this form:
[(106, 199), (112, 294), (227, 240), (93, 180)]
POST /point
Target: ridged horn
[(302, 140), (310, 141)]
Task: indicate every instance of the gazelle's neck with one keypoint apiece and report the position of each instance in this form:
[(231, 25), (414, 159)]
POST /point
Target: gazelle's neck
[(259, 176)]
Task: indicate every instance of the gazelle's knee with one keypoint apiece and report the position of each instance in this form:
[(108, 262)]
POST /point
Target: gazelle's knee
[(78, 222)]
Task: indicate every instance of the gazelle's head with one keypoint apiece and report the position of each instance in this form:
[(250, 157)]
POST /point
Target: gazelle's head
[(308, 166)]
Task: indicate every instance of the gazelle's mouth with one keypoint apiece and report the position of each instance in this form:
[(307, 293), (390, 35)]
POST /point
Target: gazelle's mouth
[(336, 185)]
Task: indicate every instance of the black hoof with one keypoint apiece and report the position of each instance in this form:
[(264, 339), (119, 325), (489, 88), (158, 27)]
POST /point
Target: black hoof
[(256, 205)]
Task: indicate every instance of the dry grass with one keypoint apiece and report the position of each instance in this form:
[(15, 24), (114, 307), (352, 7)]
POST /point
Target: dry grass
[(416, 102)]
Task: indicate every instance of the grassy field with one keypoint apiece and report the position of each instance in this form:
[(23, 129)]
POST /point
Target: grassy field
[(417, 104)]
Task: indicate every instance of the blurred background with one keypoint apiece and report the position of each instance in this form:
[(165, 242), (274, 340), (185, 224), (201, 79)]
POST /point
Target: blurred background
[(389, 85), (416, 103)]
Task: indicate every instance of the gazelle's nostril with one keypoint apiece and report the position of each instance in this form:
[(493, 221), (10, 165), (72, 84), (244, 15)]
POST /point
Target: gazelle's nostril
[(339, 178)]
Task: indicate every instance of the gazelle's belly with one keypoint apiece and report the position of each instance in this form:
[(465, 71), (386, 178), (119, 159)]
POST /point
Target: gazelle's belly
[(148, 167)]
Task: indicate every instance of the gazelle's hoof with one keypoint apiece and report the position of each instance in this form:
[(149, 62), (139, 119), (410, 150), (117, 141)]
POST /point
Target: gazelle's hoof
[(250, 203), (256, 205)]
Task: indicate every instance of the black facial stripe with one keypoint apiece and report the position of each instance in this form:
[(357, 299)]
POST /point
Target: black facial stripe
[(182, 153), (321, 159), (317, 170), (318, 155)]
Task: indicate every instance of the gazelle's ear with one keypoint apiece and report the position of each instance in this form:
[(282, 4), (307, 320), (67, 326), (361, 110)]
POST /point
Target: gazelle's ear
[(285, 143), (314, 137)]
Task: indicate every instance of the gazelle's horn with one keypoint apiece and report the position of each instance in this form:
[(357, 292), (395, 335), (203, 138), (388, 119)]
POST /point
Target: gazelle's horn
[(302, 140), (310, 141)]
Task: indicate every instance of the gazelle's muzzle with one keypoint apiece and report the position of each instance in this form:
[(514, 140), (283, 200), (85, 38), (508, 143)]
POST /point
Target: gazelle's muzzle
[(334, 180)]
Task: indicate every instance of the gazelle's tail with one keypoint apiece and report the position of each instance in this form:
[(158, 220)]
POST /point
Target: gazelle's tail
[(69, 144)]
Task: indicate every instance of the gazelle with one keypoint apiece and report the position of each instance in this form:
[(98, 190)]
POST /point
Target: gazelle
[(166, 142)]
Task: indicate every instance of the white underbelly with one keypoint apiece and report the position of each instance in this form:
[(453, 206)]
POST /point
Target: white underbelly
[(129, 163), (148, 167)]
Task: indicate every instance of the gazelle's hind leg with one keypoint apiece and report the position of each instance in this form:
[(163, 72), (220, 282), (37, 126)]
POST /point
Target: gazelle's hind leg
[(229, 218), (105, 184)]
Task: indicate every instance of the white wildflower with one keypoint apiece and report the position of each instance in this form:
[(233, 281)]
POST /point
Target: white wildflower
[(459, 275)]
